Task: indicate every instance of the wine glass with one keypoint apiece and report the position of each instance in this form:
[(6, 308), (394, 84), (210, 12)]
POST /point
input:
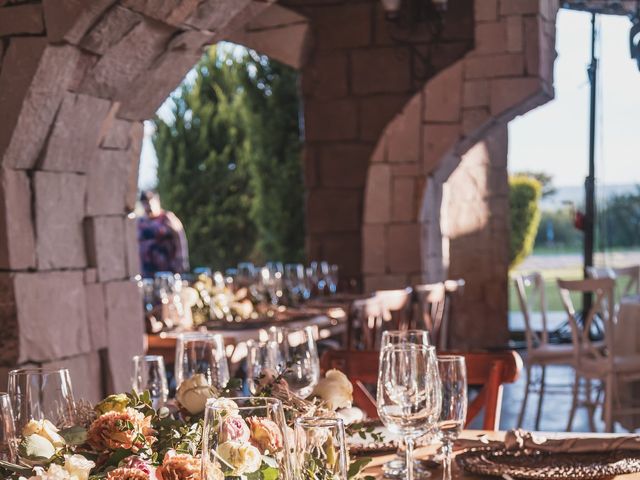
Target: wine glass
[(149, 374), (8, 439), (202, 353), (320, 448), (42, 394), (297, 356), (332, 279), (453, 375), (409, 397), (246, 437)]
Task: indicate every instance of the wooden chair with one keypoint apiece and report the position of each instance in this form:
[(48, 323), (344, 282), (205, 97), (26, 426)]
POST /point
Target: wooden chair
[(541, 353), (629, 275), (487, 370), (433, 308)]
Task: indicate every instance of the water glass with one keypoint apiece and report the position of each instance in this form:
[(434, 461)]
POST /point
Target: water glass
[(149, 374), (320, 449), (8, 439), (42, 394), (246, 437), (332, 279), (453, 376), (297, 358), (409, 397), (202, 353)]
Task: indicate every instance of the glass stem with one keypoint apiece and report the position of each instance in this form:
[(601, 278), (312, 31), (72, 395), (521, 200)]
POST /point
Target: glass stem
[(446, 467), (409, 457)]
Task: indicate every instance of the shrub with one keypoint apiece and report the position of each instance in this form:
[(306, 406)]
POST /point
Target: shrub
[(524, 198)]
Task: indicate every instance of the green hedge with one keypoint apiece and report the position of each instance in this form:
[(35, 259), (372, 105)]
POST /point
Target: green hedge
[(524, 201)]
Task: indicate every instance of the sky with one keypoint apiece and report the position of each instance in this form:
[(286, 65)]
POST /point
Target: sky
[(554, 138)]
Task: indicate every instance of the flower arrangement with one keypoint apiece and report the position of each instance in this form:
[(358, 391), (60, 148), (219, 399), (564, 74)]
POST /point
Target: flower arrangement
[(124, 438)]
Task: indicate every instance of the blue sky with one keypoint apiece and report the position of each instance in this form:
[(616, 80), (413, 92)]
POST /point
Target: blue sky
[(554, 137)]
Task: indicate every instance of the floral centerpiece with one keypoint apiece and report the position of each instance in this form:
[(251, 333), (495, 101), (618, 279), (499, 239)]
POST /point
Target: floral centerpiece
[(124, 438)]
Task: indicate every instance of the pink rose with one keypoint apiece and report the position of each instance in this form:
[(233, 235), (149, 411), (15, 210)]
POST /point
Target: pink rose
[(234, 428), (265, 434), (139, 464)]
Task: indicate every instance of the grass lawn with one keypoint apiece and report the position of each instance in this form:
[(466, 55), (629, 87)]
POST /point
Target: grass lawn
[(552, 296)]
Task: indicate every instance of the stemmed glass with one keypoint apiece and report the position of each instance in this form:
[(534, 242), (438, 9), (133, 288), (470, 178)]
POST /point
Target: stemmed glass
[(202, 353), (453, 375), (320, 449), (295, 281), (409, 396), (149, 374), (8, 439), (42, 394)]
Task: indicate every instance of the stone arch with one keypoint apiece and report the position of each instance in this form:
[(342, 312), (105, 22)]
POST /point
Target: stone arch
[(444, 213)]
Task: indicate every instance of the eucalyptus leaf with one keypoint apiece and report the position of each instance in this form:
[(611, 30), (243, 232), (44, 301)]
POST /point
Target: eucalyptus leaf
[(74, 435)]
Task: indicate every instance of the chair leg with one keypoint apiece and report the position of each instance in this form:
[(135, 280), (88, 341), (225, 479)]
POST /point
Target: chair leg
[(526, 396), (540, 397), (608, 404), (574, 403), (592, 404)]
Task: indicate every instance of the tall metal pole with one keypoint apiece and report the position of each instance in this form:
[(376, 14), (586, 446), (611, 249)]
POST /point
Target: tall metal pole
[(590, 181)]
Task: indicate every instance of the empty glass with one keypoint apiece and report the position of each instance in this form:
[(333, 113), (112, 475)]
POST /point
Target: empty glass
[(202, 353), (246, 437), (332, 279), (8, 439), (453, 376), (295, 281), (409, 396), (149, 374), (41, 393), (320, 449)]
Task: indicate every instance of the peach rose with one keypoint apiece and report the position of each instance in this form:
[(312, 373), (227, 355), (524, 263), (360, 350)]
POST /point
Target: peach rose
[(180, 466), (265, 434), (125, 473), (115, 430)]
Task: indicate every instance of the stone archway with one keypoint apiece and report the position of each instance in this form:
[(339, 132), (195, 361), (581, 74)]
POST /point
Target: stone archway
[(444, 212)]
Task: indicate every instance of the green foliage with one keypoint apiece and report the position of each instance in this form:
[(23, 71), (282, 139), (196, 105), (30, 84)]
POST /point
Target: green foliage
[(565, 234), (546, 181), (620, 220), (229, 161), (524, 198)]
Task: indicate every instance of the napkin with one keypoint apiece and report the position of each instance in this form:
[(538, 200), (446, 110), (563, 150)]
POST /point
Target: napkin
[(520, 439)]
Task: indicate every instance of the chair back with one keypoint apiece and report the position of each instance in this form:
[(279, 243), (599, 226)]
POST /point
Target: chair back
[(602, 306), (433, 305), (629, 276), (530, 291), (385, 310), (487, 370)]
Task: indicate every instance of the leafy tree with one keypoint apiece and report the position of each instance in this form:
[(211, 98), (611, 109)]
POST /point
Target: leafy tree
[(524, 198), (620, 219), (545, 180), (203, 171), (561, 223)]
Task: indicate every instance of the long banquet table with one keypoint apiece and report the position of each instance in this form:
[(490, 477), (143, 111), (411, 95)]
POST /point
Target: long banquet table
[(375, 470)]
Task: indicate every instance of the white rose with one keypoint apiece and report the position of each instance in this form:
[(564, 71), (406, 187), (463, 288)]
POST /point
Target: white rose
[(55, 472), (45, 429), (243, 458), (335, 390), (35, 447), (78, 466), (225, 406), (194, 392)]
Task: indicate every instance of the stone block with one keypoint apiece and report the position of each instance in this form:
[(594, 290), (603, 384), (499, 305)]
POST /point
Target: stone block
[(373, 283), (110, 29), (474, 119), (137, 134), (377, 111), (438, 139), (51, 315), (343, 26), (331, 120), (75, 27), (334, 210), (404, 133), (491, 37), (310, 155), (486, 10), (125, 331), (96, 315), (343, 249), (114, 74), (344, 165), (173, 12), (443, 96), (59, 209), (380, 70), (21, 19), (373, 249), (215, 16), (514, 34), (378, 194), (519, 7), (106, 248), (86, 376), (75, 135), (492, 66), (131, 245), (117, 135), (17, 248), (507, 93), (90, 276), (404, 203), (38, 108), (532, 45), (380, 152), (475, 93), (326, 76), (107, 178), (274, 16), (59, 16), (403, 248)]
